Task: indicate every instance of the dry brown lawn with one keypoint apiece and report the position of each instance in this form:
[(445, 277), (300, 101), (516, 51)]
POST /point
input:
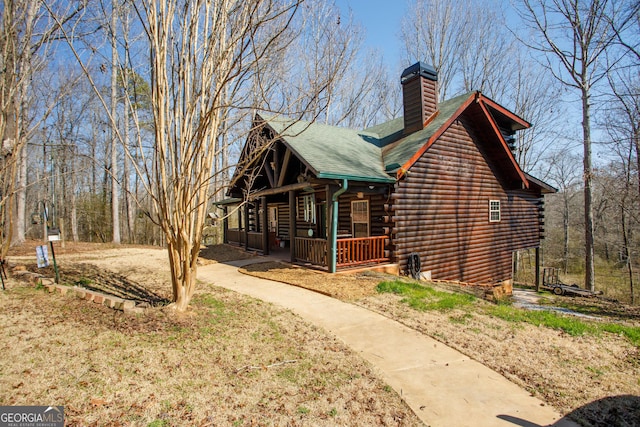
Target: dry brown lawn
[(347, 287), (226, 362), (230, 360), (596, 378)]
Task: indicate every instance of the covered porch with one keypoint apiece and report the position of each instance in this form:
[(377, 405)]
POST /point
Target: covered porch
[(324, 226)]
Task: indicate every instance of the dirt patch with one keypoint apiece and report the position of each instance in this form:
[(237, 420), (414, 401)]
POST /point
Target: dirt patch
[(230, 360), (222, 253), (347, 287)]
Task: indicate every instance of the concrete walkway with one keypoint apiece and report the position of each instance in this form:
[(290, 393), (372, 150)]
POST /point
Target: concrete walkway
[(442, 386)]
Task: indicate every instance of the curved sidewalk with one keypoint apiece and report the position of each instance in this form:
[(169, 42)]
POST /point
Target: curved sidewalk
[(442, 386)]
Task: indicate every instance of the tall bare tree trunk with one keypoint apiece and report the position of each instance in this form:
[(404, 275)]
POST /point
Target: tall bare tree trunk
[(589, 280), (21, 199), (126, 178), (73, 214), (8, 124), (565, 231), (636, 143), (115, 200)]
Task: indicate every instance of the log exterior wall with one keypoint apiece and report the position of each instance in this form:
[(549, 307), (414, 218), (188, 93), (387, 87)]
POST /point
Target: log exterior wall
[(440, 209), (376, 212), (283, 220)]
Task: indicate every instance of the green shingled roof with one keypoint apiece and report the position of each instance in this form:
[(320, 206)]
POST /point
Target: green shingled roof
[(333, 152), (398, 153), (370, 155)]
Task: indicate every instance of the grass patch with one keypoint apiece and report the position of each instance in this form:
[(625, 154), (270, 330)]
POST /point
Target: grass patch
[(83, 281), (461, 319), (632, 333), (570, 325), (424, 298)]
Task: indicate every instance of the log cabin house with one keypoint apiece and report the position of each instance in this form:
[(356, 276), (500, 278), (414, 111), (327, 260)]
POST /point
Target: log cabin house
[(441, 182)]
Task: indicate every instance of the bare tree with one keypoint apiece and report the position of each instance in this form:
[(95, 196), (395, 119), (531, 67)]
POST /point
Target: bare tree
[(348, 85), (628, 36), (623, 118), (17, 26), (115, 195), (564, 175), (574, 36), (534, 96), (622, 122), (25, 34), (435, 31), (197, 50)]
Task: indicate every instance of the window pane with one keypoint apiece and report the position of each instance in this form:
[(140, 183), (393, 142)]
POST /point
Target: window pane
[(360, 218), (360, 230), (494, 210)]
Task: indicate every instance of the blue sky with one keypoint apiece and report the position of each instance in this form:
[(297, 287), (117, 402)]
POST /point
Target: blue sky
[(381, 21)]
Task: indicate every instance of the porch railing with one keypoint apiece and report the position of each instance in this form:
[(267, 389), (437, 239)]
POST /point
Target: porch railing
[(255, 240), (360, 250), (310, 250), (235, 236), (350, 252), (238, 237)]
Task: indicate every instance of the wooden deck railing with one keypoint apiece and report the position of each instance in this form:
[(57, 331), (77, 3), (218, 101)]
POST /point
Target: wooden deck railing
[(255, 240), (311, 250), (362, 250), (235, 236), (350, 252)]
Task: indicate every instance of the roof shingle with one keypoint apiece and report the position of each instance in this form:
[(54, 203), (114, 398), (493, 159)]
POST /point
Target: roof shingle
[(373, 154)]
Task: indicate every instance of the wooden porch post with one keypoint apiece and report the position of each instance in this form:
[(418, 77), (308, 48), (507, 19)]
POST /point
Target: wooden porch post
[(265, 225), (333, 241), (292, 225), (538, 269), (246, 226), (331, 251)]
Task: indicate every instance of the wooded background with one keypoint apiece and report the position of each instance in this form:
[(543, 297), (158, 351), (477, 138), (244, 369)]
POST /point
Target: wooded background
[(122, 119)]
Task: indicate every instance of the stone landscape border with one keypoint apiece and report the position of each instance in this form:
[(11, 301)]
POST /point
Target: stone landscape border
[(109, 301)]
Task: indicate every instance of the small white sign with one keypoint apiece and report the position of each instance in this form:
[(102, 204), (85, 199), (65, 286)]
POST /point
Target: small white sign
[(42, 254), (54, 237)]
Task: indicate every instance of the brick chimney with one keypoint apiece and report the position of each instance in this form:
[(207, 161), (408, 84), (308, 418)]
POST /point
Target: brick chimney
[(420, 95)]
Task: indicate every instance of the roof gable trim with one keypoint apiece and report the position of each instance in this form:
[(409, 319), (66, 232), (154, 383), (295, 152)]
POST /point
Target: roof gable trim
[(283, 139), (494, 105), (482, 101), (505, 147)]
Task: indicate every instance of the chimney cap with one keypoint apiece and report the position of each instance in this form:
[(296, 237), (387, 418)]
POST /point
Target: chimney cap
[(419, 69)]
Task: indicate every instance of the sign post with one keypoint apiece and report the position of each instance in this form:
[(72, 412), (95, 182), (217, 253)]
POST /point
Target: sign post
[(54, 235)]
